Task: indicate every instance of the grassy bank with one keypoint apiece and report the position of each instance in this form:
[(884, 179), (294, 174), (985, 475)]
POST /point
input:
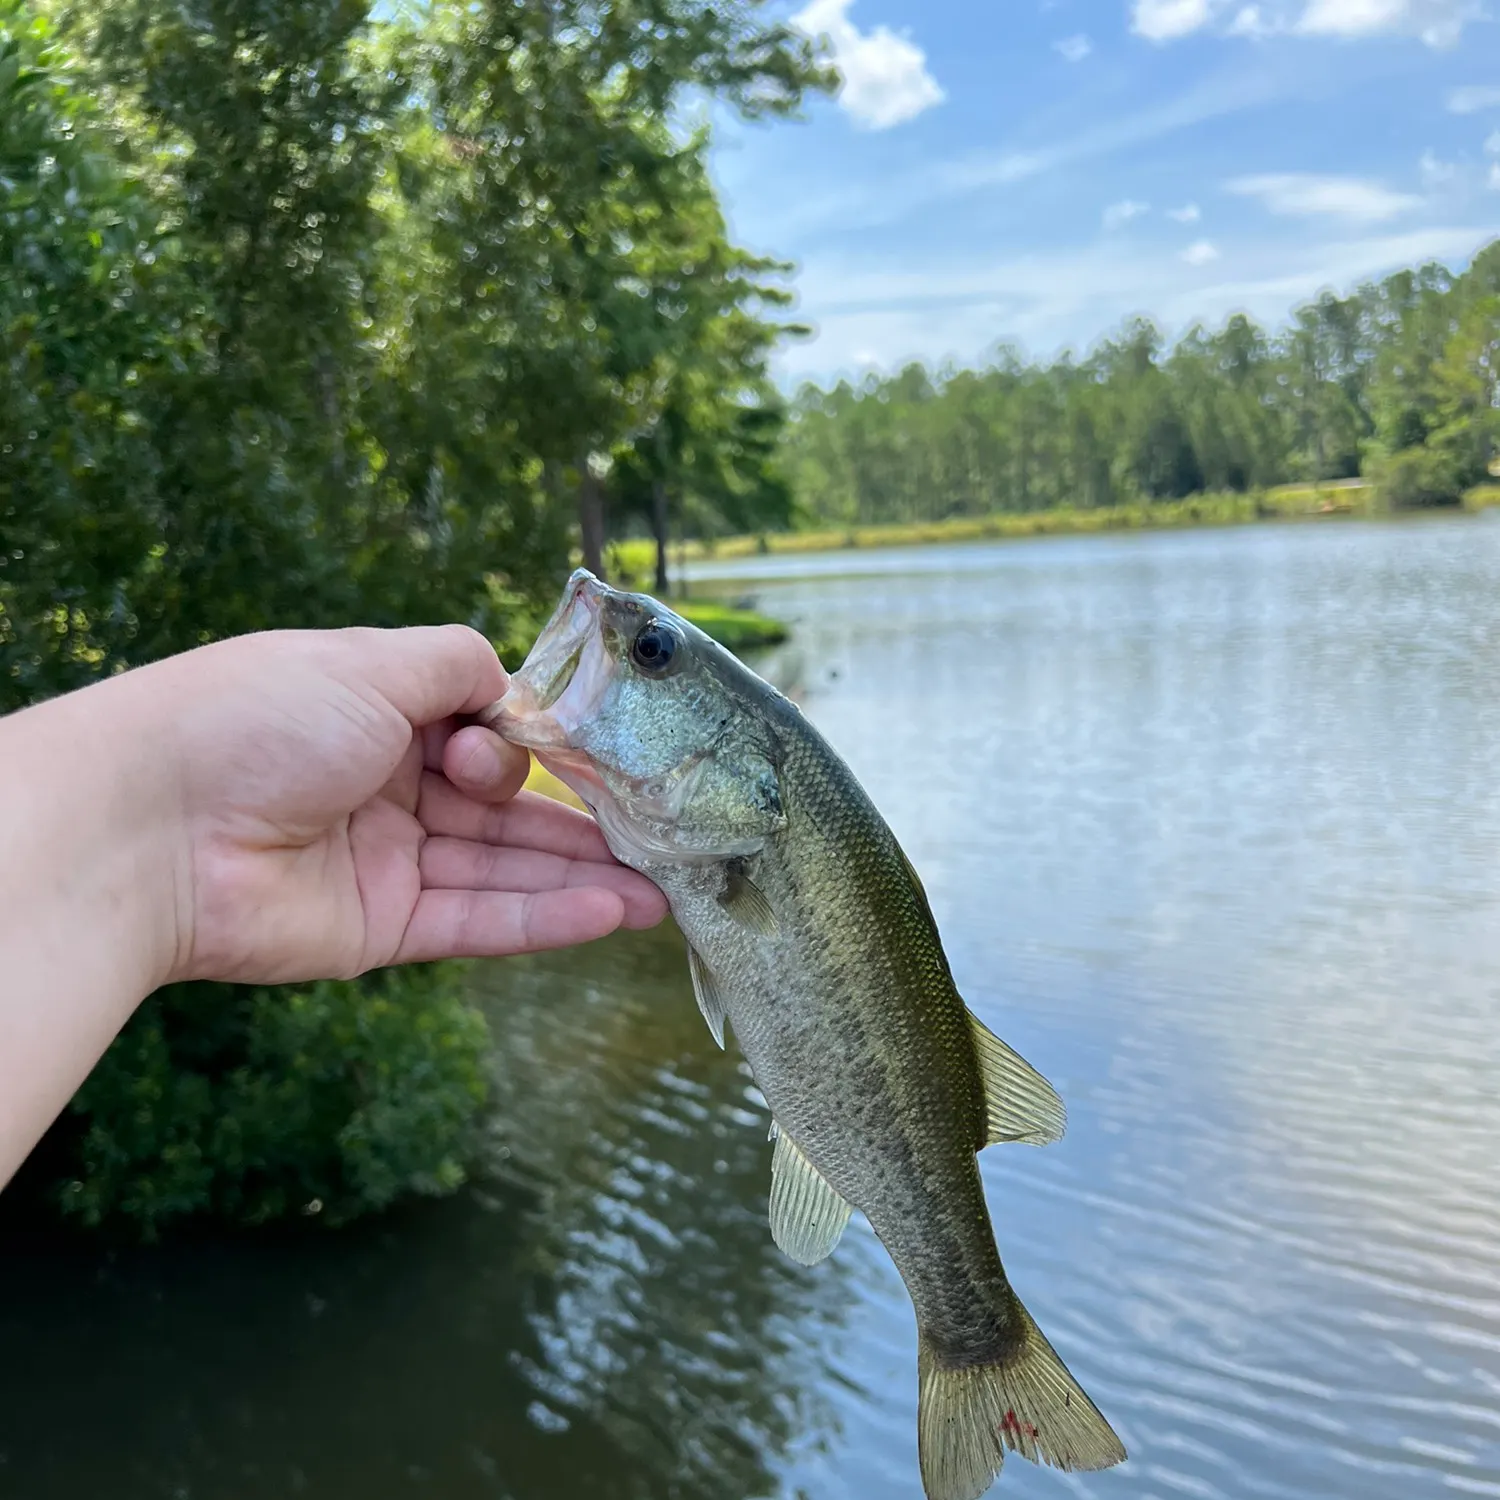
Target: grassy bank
[(737, 629), (636, 557)]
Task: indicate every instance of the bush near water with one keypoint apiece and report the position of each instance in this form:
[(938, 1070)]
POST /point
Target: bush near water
[(253, 1104)]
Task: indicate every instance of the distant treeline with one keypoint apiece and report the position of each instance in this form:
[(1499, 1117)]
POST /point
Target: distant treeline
[(1396, 382)]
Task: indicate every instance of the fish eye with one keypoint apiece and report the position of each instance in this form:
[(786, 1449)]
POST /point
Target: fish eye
[(654, 647)]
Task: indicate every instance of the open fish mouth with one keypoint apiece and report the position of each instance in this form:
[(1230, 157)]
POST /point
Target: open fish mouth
[(558, 688)]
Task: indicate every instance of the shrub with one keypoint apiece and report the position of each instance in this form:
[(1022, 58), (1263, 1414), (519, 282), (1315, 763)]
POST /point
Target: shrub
[(1416, 477), (252, 1104)]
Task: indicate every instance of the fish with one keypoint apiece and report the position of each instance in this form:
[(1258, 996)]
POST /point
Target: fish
[(809, 934)]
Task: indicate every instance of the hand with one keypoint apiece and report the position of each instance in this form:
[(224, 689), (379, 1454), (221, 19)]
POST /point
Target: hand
[(280, 807), (334, 817)]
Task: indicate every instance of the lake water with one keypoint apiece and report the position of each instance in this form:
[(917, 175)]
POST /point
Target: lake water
[(1211, 824)]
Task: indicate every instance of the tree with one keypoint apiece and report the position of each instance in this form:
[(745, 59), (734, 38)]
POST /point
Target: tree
[(565, 112)]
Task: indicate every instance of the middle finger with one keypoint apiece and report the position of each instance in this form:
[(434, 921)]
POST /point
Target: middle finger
[(463, 865)]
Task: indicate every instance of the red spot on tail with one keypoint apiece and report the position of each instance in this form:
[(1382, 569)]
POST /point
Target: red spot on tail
[(1013, 1425)]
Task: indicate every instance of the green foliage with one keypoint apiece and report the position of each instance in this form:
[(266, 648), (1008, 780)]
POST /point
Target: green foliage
[(74, 334), (585, 248), (253, 1104), (1418, 476), (1397, 380), (318, 312)]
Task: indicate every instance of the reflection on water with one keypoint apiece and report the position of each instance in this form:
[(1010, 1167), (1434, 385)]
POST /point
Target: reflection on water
[(603, 1316), (1211, 822), (672, 1316)]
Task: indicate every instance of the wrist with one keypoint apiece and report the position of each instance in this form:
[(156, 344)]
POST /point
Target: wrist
[(92, 795)]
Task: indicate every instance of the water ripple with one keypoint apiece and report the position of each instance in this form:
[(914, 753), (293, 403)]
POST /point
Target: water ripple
[(1234, 884)]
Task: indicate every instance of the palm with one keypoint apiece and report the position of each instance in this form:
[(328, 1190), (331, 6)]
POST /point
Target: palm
[(336, 837)]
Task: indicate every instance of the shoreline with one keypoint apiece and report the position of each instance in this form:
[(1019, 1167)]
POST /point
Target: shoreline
[(1334, 500)]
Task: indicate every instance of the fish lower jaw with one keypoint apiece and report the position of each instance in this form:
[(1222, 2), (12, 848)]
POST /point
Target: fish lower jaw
[(573, 768), (518, 718)]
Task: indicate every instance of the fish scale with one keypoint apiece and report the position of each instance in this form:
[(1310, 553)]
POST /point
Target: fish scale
[(810, 933)]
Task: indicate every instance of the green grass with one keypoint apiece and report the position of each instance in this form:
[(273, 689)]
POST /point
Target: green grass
[(736, 629), (635, 558), (1333, 497), (1482, 496)]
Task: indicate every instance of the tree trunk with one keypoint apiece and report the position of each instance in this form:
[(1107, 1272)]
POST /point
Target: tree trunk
[(591, 518), (659, 531)]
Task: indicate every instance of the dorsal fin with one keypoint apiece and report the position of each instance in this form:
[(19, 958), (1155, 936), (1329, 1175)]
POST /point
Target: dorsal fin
[(1020, 1105)]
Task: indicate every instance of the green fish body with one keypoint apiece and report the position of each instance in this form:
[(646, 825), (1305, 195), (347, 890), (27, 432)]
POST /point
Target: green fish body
[(809, 932)]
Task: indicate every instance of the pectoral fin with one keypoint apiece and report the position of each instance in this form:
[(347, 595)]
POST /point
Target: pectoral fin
[(1021, 1105), (807, 1215), (746, 902), (710, 1002)]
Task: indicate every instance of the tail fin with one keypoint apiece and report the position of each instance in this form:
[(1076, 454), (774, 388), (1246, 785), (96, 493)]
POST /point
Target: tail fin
[(968, 1415)]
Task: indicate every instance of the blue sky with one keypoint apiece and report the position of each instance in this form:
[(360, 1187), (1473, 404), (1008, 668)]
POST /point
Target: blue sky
[(1039, 170)]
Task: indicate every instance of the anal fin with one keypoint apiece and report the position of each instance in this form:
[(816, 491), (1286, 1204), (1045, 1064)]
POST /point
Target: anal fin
[(710, 1001), (807, 1215), (1020, 1104)]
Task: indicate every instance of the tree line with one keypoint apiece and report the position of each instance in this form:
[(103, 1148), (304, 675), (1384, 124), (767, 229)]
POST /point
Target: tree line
[(1396, 382)]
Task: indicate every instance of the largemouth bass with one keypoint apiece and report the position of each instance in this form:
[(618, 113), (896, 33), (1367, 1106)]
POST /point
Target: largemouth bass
[(809, 932)]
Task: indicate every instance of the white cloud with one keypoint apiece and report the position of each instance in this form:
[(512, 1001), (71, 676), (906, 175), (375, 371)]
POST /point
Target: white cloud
[(1074, 48), (1251, 21), (1164, 20), (1439, 23), (1217, 95), (1435, 172), (1056, 297), (885, 74), (1117, 215), (1305, 195), (1473, 98), (1189, 213), (1199, 253), (1492, 143), (1494, 179)]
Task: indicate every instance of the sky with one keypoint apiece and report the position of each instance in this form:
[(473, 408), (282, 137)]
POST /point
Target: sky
[(1038, 171)]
